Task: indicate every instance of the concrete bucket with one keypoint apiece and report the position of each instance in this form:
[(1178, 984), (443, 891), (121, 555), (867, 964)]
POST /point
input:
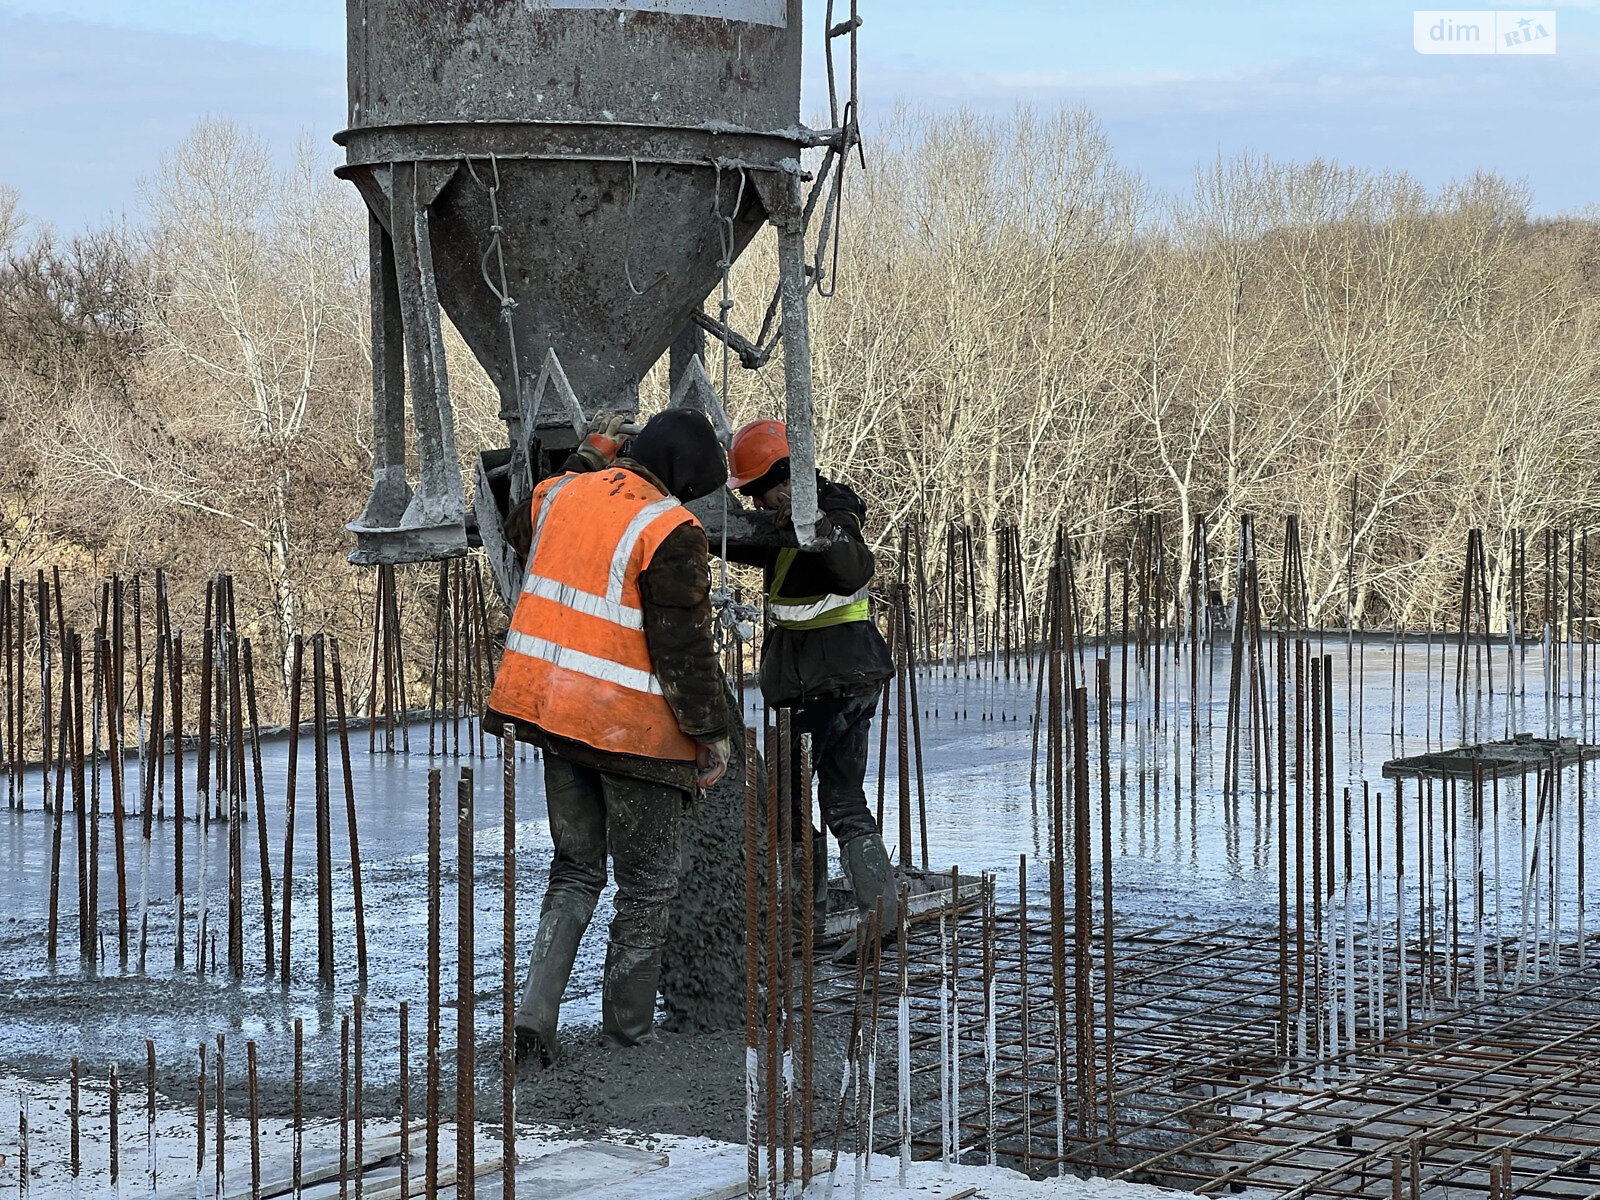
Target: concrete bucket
[(564, 179)]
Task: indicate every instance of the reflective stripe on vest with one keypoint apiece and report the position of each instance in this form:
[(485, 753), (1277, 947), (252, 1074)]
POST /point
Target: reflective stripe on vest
[(577, 664), (583, 664), (608, 607), (812, 612)]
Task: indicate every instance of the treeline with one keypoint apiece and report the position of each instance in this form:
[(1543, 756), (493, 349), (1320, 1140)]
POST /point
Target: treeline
[(1022, 334)]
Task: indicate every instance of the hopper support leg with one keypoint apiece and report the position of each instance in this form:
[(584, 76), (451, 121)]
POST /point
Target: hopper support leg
[(433, 524), (390, 491)]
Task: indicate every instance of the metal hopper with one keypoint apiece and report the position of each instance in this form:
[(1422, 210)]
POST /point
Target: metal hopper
[(567, 180)]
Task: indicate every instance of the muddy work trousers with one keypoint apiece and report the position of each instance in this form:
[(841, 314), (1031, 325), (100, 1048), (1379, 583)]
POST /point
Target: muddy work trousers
[(593, 813), (839, 727)]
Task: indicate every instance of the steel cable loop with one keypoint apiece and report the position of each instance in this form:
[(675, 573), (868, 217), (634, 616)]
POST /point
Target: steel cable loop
[(849, 138), (627, 231), (831, 212), (502, 293), (735, 621)]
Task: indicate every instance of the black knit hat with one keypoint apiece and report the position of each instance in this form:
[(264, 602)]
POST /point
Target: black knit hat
[(680, 448)]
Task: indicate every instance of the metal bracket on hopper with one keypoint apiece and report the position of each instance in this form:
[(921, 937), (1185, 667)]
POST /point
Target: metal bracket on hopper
[(531, 404), (696, 391), (399, 525), (553, 376)]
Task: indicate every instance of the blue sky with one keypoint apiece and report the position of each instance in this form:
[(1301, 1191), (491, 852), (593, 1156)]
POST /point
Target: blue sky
[(92, 91)]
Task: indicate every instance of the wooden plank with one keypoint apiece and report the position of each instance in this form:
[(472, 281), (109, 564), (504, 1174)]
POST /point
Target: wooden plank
[(314, 1168), (720, 1176)]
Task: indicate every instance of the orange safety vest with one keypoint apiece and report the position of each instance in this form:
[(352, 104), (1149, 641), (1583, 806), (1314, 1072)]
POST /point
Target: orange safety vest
[(576, 662)]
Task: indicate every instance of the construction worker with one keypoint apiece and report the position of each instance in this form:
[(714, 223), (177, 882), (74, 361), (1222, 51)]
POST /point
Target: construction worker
[(823, 658), (611, 669)]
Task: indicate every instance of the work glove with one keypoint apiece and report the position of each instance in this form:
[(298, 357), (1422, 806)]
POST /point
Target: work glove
[(712, 759), (605, 438)]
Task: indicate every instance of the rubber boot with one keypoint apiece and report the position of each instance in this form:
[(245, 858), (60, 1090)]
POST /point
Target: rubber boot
[(555, 947), (871, 878), (628, 995)]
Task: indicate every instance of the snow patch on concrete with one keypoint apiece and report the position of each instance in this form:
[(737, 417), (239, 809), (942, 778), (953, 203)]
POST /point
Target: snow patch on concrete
[(695, 1167)]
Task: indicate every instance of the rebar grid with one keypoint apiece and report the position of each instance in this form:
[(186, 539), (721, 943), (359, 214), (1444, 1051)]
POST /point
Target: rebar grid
[(1509, 1084)]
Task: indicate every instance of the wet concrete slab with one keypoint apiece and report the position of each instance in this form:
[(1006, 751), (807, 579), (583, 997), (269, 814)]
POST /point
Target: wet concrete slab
[(1182, 852)]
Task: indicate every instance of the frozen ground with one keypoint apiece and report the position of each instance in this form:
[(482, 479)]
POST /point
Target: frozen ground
[(1179, 855)]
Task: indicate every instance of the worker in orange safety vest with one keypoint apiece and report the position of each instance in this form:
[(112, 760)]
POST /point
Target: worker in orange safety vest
[(611, 668)]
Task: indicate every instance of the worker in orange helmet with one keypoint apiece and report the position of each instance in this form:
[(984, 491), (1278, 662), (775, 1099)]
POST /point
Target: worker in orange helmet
[(823, 658), (612, 670)]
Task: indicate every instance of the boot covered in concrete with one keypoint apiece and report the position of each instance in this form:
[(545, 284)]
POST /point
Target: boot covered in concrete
[(628, 995), (871, 879), (555, 947)]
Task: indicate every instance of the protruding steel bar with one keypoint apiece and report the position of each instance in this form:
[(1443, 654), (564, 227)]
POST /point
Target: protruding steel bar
[(296, 672), (1082, 916), (852, 1066), (752, 968), (97, 689), (508, 959), (255, 1118), (208, 644), (261, 812), (114, 1129), (350, 812), (74, 1119), (150, 1115), (222, 1113), (236, 810), (299, 1104), (405, 1099), (119, 811), (1108, 911), (177, 801), (908, 631), (324, 811), (775, 768), (466, 995), (63, 758), (344, 1106), (359, 1009), (149, 773), (786, 833), (24, 1173), (808, 967), (79, 796), (903, 762), (44, 692), (435, 951), (200, 1126)]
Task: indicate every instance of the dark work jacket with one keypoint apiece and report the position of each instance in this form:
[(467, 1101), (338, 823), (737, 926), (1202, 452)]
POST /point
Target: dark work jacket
[(675, 591), (798, 665)]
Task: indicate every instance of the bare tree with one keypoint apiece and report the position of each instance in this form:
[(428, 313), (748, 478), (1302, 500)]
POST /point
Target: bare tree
[(251, 299)]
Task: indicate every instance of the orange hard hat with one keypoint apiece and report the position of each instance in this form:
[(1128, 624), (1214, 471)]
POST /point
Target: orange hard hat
[(756, 447)]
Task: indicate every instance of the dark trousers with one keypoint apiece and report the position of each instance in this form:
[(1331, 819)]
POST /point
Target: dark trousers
[(839, 727), (593, 813)]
